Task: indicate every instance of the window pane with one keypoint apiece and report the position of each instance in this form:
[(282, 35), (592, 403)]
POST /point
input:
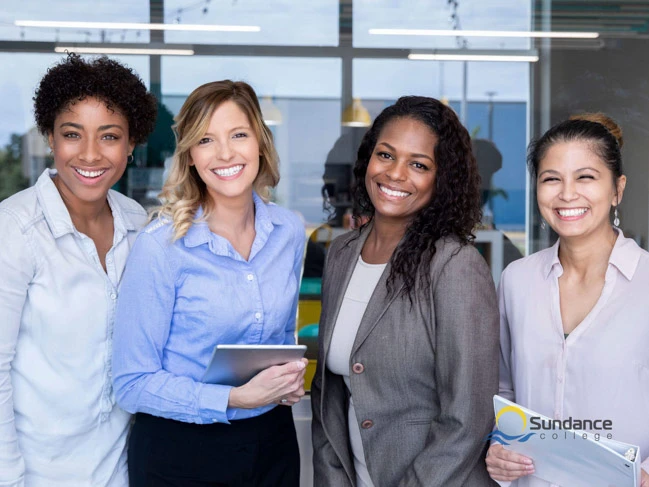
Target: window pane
[(415, 14), (74, 11), (282, 22)]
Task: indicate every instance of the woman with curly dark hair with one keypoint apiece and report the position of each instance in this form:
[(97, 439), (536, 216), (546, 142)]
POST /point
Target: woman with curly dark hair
[(408, 355), (65, 243)]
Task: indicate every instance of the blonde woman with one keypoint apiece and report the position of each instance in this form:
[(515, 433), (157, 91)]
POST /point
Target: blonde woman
[(219, 265)]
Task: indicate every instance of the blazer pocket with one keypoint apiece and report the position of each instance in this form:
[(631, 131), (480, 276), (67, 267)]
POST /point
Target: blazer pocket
[(419, 421)]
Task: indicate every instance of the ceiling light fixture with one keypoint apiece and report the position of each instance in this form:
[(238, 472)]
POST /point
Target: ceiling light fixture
[(125, 50), (486, 33), (356, 115), (136, 26), (530, 56)]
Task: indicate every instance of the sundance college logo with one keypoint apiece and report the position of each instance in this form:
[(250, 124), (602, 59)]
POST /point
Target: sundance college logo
[(551, 428)]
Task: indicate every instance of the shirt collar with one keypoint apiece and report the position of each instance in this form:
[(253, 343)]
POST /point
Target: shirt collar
[(122, 220), (199, 233), (57, 214), (551, 259), (624, 257)]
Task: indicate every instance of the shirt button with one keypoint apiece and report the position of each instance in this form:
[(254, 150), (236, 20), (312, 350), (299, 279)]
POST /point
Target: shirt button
[(113, 296), (250, 277), (109, 260), (214, 420), (358, 368), (257, 315), (367, 424), (557, 416)]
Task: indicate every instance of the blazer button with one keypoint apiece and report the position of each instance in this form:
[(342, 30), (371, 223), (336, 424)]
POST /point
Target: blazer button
[(358, 368), (367, 424)]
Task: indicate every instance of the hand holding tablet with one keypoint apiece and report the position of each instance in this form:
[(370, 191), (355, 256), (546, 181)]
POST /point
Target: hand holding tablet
[(261, 374)]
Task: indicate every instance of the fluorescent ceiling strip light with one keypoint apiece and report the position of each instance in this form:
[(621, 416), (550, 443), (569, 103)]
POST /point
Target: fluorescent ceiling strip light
[(485, 33), (137, 26), (472, 57), (125, 50)]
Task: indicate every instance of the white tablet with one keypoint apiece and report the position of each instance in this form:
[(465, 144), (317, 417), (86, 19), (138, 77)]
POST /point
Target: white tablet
[(234, 365)]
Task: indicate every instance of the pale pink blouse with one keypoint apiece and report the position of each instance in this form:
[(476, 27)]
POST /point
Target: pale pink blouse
[(601, 370)]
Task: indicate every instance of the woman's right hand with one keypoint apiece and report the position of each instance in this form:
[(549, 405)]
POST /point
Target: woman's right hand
[(506, 465), (272, 385)]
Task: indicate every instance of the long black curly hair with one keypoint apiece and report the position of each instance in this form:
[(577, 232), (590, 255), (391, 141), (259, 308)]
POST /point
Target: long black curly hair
[(75, 79), (454, 210)]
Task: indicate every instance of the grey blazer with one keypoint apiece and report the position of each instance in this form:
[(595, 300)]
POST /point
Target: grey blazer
[(422, 377)]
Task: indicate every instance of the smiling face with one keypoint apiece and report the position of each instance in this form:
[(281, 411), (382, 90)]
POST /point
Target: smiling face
[(400, 178), (90, 144), (227, 156), (575, 190)]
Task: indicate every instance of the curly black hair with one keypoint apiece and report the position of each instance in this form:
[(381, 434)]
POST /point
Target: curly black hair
[(75, 79), (454, 210)]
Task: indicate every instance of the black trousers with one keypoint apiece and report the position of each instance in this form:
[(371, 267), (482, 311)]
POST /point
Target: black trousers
[(260, 451)]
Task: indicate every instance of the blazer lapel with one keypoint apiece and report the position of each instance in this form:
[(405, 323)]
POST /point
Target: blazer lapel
[(338, 280), (376, 307)]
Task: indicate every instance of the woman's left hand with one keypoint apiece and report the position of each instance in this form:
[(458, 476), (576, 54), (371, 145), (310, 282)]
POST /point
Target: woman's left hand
[(644, 478)]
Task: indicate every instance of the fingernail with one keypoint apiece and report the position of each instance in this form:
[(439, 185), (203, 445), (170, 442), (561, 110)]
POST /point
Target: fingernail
[(300, 365)]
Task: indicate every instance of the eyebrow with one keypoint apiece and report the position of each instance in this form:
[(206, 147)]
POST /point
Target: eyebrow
[(552, 171), (588, 169), (80, 127), (412, 154), (244, 127)]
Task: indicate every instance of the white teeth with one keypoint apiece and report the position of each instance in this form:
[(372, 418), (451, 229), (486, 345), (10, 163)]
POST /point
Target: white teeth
[(573, 212), (231, 171), (90, 174), (389, 192)]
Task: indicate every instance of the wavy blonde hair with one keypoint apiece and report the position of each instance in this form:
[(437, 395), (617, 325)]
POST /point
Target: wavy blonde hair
[(184, 191)]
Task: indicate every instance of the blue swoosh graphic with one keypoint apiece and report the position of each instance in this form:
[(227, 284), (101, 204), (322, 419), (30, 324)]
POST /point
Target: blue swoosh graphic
[(500, 437)]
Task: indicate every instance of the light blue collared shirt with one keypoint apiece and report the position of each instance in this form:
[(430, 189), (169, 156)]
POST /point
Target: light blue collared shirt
[(180, 299), (59, 426)]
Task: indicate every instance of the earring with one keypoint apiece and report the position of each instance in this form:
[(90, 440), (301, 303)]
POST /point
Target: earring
[(129, 159), (616, 218), (543, 224)]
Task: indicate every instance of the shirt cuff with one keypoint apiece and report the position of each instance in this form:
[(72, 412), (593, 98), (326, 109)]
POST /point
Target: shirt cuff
[(213, 403)]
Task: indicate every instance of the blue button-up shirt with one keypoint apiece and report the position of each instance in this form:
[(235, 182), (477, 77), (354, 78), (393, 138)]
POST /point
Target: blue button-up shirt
[(179, 299)]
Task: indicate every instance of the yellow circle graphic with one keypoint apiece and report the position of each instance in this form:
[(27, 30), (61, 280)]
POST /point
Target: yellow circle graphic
[(511, 409)]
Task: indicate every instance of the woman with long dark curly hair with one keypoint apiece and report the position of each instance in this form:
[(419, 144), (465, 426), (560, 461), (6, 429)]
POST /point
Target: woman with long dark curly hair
[(408, 344), (64, 247)]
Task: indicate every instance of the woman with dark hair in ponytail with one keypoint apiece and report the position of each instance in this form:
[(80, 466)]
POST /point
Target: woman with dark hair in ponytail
[(408, 358), (574, 327)]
